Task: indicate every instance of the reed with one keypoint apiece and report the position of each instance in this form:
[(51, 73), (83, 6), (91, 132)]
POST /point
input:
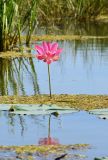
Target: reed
[(21, 16), (77, 9), (15, 17)]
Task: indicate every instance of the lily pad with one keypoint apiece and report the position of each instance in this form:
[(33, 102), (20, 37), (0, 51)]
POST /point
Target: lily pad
[(103, 158), (36, 109), (5, 107), (101, 113)]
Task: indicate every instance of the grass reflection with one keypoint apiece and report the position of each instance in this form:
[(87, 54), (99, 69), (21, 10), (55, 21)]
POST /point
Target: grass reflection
[(87, 49), (13, 72)]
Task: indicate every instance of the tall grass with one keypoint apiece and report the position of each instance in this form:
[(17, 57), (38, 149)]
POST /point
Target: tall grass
[(77, 9), (86, 9), (15, 16)]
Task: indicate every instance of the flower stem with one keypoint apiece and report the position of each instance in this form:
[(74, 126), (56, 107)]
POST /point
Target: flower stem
[(49, 79)]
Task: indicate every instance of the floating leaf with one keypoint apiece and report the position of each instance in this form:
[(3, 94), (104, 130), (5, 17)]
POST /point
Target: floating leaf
[(104, 158), (101, 113), (5, 107), (36, 109)]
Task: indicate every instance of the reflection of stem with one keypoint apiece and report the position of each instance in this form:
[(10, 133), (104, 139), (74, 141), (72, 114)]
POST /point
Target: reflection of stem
[(22, 124), (49, 79), (49, 131)]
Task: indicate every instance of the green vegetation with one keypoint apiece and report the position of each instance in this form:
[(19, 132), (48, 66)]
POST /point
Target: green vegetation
[(20, 16), (101, 113), (103, 158), (16, 16), (77, 9)]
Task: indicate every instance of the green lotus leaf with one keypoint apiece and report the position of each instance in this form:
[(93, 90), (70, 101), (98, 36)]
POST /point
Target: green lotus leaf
[(36, 109), (5, 107), (101, 113), (104, 158)]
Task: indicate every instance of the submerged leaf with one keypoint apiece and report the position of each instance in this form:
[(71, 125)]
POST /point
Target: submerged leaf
[(5, 107)]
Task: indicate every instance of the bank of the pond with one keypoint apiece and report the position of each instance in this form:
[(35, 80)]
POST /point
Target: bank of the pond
[(83, 102), (62, 37), (15, 54), (102, 18), (25, 52)]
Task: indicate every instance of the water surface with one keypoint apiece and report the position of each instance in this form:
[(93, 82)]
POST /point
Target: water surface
[(82, 69), (81, 128)]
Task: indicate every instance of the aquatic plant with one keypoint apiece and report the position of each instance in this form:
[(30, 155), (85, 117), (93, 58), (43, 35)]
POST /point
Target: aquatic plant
[(48, 52), (16, 16), (34, 150), (103, 158)]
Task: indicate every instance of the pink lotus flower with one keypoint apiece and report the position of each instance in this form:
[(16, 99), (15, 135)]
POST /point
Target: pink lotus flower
[(48, 141), (48, 52)]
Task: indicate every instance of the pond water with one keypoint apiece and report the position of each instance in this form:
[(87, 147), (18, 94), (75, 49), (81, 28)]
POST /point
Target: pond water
[(82, 128), (82, 69)]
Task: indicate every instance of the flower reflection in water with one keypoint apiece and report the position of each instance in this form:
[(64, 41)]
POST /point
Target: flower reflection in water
[(48, 140)]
